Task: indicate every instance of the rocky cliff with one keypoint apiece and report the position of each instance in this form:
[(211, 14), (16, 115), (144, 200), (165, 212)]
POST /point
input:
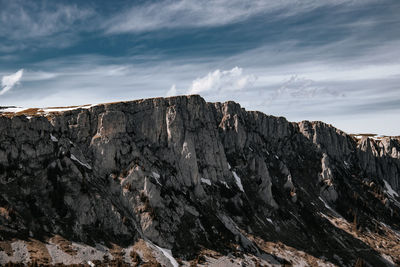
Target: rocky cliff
[(179, 181)]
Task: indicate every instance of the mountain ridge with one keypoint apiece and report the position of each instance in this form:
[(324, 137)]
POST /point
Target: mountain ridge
[(190, 176)]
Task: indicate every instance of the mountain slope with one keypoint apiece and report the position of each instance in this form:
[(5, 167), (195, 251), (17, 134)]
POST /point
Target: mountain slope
[(179, 179)]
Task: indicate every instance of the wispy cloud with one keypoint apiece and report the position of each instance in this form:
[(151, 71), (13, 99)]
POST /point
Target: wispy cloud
[(33, 24), (302, 87), (9, 81), (202, 13), (172, 91), (21, 19), (222, 81), (181, 14)]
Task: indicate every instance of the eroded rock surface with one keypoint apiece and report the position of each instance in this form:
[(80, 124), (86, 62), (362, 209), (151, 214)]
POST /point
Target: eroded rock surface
[(182, 181)]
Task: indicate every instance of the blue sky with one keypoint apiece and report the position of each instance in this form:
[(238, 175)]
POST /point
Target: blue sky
[(335, 60)]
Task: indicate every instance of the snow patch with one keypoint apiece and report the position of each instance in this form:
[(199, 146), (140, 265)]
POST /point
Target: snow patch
[(57, 109), (62, 109), (206, 181), (390, 190), (12, 110), (370, 136), (43, 111), (80, 162), (167, 253), (238, 181), (346, 164), (53, 138), (388, 258), (157, 177), (329, 208), (224, 183)]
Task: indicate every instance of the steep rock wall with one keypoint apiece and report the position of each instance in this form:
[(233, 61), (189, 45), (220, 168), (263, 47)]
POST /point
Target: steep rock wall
[(186, 174)]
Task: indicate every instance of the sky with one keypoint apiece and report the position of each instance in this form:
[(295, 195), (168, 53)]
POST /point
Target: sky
[(337, 61)]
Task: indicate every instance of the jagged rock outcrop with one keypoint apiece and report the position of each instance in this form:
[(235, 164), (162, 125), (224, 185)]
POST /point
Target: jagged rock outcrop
[(204, 180)]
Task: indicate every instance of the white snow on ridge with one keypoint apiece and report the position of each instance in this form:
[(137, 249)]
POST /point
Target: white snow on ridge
[(390, 190), (44, 111), (388, 258), (12, 110), (80, 162), (61, 109), (157, 177), (53, 138), (167, 253), (371, 136), (329, 207), (238, 181), (224, 183), (206, 181)]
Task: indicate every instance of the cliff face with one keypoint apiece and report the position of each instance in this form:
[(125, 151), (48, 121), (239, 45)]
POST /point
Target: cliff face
[(132, 181)]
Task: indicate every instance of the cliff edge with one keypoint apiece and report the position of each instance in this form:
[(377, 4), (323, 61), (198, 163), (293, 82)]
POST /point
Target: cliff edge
[(179, 181)]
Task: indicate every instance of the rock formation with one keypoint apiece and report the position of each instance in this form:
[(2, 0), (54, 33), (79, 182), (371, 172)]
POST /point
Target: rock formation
[(179, 181)]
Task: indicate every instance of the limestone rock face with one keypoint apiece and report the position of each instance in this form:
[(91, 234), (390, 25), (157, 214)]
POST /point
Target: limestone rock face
[(185, 175)]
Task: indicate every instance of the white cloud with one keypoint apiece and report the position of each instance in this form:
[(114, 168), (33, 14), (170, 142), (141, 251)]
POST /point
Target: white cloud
[(222, 81), (30, 76), (9, 81), (172, 91)]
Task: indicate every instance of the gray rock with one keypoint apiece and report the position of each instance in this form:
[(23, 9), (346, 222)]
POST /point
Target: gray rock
[(132, 170)]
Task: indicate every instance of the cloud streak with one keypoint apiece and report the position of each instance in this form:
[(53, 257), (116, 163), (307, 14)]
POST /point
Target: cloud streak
[(9, 81), (172, 91), (202, 13)]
